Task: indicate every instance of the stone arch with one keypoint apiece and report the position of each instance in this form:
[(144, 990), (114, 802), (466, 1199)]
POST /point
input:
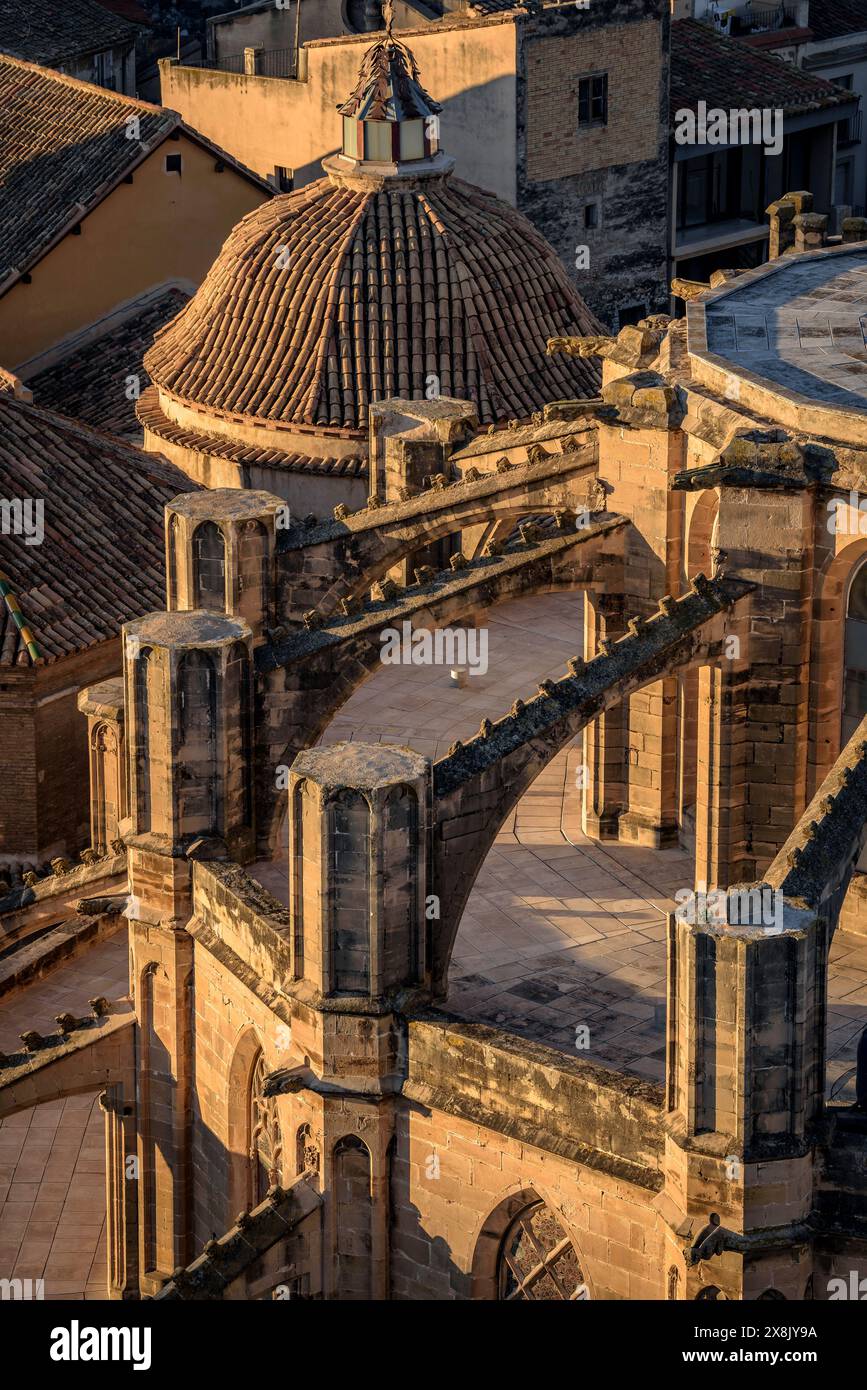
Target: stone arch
[(827, 656), (399, 953), (319, 683), (491, 791), (172, 557), (240, 1076), (348, 818), (771, 1295), (196, 754), (500, 1272), (254, 587), (353, 1202), (306, 1150), (356, 559), (209, 567), (711, 1293), (239, 697), (699, 558), (264, 1135), (146, 682), (105, 787)]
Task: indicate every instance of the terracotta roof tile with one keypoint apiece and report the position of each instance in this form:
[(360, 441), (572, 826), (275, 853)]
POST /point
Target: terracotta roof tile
[(89, 382), (707, 66), (152, 418), (68, 137), (324, 300), (54, 30), (101, 561), (831, 19)]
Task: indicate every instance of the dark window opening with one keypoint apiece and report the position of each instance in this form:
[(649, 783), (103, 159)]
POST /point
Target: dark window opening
[(174, 163), (591, 216), (593, 100), (632, 313), (284, 179)]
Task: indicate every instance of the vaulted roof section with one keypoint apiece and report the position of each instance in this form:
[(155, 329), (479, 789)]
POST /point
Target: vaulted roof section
[(326, 300)]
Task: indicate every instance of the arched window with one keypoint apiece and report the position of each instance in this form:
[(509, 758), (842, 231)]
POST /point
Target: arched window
[(306, 1151), (400, 851), (710, 1294), (771, 1296), (538, 1260), (209, 567), (145, 677), (239, 788), (673, 1281), (303, 829), (855, 664), (253, 585), (349, 881), (172, 565), (266, 1144), (105, 787), (352, 1194), (197, 749)]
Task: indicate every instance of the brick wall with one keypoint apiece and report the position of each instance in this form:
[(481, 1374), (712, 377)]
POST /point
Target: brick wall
[(556, 145), (621, 169)]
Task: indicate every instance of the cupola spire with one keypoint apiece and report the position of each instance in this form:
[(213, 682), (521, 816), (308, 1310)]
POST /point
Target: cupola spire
[(389, 119)]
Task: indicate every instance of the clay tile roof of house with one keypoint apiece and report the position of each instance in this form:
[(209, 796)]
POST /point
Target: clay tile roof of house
[(101, 557), (63, 144), (830, 19), (91, 378), (53, 31), (328, 299), (707, 66)]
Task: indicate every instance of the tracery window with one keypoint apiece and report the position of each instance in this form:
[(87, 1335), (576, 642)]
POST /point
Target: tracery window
[(266, 1143), (538, 1260), (209, 567), (855, 663)]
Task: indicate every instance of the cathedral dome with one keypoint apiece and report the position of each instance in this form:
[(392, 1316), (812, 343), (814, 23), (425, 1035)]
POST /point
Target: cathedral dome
[(352, 290)]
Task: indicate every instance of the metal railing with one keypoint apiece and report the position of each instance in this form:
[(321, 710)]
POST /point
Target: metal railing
[(273, 62), (753, 19)]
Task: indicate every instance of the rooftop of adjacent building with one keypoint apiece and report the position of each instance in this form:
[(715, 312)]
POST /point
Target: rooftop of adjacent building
[(77, 140), (723, 72), (99, 559), (796, 326), (56, 31)]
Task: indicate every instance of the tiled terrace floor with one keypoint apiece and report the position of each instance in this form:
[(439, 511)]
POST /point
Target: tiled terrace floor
[(52, 1158), (560, 931)]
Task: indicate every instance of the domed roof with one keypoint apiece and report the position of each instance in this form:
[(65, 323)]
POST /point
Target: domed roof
[(326, 300)]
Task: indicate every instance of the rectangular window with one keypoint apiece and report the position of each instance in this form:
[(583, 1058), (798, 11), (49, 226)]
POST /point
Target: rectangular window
[(284, 179), (593, 100), (173, 163), (591, 216)]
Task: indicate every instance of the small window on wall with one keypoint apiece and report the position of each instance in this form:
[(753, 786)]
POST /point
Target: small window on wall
[(591, 217), (284, 179), (174, 163), (593, 100)]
